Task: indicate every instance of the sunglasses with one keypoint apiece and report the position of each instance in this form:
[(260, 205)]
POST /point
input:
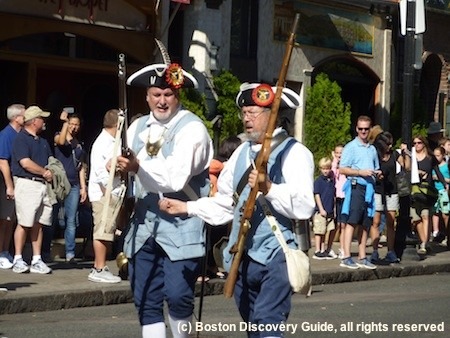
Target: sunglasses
[(363, 129), (418, 142)]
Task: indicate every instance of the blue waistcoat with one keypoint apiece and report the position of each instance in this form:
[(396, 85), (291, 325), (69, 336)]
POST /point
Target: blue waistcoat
[(261, 244), (179, 237)]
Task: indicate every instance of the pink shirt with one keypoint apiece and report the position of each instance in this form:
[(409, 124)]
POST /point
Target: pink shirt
[(339, 179)]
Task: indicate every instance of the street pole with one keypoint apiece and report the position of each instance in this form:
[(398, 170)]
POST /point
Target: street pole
[(404, 223), (408, 74)]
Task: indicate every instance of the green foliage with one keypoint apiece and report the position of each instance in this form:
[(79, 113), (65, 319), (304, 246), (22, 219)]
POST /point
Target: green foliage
[(327, 118), (227, 86), (419, 129), (194, 101)]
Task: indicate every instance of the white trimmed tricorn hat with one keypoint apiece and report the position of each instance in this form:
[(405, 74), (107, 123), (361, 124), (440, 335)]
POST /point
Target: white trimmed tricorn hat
[(162, 76), (261, 94)]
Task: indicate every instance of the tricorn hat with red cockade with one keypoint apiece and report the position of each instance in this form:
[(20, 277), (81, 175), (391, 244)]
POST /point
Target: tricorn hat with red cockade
[(163, 75), (261, 94)]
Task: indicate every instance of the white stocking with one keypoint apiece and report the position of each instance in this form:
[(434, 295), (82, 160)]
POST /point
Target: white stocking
[(156, 330), (180, 327)]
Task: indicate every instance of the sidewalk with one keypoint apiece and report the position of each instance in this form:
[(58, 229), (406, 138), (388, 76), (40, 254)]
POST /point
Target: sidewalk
[(68, 286)]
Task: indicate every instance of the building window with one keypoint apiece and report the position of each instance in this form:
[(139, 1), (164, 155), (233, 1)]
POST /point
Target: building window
[(244, 28)]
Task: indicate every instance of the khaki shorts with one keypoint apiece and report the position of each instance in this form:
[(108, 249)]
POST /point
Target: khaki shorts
[(321, 225), (100, 232), (414, 213), (392, 203), (32, 202)]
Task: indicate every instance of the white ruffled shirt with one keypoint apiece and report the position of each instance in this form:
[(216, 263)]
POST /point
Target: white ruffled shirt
[(293, 199), (192, 152)]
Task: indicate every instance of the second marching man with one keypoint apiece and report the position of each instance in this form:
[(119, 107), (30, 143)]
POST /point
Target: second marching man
[(262, 292)]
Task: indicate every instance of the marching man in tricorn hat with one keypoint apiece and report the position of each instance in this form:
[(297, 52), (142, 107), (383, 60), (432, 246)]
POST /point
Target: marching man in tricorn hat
[(263, 291), (172, 153)]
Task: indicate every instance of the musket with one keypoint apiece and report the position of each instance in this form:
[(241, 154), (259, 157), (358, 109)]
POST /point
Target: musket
[(128, 205), (123, 107), (261, 165), (121, 137)]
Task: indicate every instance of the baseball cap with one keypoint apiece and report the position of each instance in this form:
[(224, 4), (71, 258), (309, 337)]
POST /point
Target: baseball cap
[(33, 112)]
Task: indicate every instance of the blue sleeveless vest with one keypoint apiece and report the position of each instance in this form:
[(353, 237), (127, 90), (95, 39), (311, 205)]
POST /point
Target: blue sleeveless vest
[(261, 244), (180, 237)]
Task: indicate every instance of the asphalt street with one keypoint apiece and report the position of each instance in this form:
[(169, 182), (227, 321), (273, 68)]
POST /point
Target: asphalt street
[(415, 306)]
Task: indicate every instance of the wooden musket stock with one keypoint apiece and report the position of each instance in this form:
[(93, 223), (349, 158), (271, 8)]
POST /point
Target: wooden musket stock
[(261, 165)]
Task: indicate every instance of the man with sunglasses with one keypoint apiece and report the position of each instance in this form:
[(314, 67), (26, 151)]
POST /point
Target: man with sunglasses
[(360, 164)]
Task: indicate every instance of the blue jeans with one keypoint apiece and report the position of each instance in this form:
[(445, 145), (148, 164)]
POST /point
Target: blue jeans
[(69, 224), (70, 214)]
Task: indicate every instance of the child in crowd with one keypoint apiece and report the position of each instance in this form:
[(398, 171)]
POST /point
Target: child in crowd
[(444, 142), (441, 178), (339, 180), (323, 221)]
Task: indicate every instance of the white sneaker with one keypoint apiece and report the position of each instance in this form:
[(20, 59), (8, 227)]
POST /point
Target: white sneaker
[(5, 263), (422, 249), (20, 266), (331, 254), (40, 267), (103, 276), (340, 254)]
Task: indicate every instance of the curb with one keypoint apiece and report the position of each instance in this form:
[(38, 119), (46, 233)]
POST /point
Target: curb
[(122, 293), (64, 300), (379, 273), (68, 287)]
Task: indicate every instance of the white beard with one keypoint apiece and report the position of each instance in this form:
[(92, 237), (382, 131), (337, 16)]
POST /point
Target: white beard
[(165, 117), (254, 136)]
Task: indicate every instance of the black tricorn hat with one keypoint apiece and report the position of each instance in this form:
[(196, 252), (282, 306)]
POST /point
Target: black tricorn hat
[(261, 94), (162, 76)]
